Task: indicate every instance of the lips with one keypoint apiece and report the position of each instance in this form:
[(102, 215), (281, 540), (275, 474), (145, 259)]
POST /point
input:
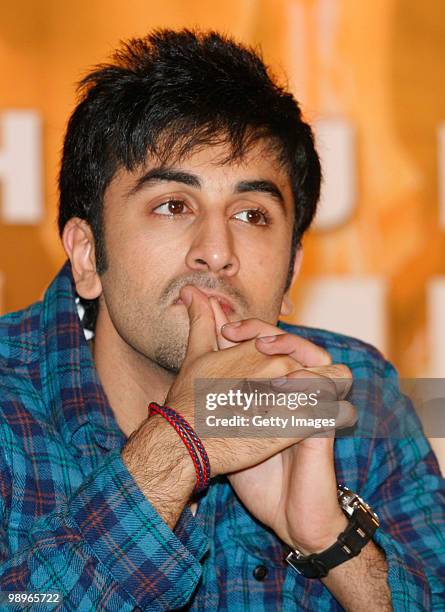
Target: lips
[(225, 304)]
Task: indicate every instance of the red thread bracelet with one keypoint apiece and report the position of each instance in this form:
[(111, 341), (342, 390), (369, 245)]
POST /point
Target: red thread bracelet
[(194, 438), (187, 443), (191, 441)]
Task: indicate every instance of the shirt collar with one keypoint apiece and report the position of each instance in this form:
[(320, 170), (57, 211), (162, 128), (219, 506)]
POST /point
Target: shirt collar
[(70, 382)]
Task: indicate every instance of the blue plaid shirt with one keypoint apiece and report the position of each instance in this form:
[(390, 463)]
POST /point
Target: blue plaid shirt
[(73, 520)]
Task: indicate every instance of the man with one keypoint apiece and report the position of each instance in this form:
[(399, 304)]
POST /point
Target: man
[(188, 179)]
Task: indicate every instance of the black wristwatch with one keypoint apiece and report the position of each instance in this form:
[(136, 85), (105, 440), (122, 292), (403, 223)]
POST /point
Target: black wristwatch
[(362, 524)]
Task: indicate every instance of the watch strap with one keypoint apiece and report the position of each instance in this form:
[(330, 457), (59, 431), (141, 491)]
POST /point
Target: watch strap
[(360, 529)]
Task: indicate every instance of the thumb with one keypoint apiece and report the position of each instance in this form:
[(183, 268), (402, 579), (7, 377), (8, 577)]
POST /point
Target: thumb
[(202, 335), (220, 320)]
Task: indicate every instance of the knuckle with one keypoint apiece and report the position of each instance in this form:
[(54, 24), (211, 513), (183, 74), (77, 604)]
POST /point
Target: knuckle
[(289, 364), (341, 371), (195, 317), (327, 356), (252, 321), (283, 364), (348, 411), (245, 324), (349, 407), (257, 326)]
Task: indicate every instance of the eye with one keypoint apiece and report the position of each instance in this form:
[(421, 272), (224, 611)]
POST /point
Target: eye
[(254, 216), (172, 208)]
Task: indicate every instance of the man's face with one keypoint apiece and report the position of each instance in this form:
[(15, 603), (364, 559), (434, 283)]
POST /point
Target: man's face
[(225, 228)]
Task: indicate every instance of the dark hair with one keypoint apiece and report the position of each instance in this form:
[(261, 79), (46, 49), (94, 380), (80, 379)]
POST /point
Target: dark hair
[(169, 93)]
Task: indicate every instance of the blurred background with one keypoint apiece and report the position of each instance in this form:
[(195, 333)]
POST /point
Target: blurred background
[(370, 77)]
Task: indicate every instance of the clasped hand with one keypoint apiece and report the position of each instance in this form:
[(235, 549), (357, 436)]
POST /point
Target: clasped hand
[(289, 484)]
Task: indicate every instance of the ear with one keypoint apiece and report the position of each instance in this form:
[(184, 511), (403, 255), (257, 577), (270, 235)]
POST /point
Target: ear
[(286, 304), (78, 242)]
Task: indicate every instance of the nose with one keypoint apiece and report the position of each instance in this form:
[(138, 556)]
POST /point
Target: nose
[(212, 249)]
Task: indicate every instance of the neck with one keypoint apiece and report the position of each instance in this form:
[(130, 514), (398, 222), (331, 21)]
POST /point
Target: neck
[(130, 380)]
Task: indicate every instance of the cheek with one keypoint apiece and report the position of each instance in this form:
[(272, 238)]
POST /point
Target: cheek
[(265, 274), (262, 263), (139, 253)]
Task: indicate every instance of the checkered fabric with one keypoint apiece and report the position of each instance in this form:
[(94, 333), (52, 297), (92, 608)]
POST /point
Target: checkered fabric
[(73, 520)]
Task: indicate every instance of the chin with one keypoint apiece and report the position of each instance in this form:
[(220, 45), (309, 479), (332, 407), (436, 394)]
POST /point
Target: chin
[(170, 354), (169, 367)]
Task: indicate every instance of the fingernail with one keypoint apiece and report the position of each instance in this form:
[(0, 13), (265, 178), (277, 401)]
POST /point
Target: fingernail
[(234, 324), (267, 339), (279, 382)]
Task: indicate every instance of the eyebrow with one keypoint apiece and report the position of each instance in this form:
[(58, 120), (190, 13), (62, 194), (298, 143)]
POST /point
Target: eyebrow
[(261, 186), (169, 175)]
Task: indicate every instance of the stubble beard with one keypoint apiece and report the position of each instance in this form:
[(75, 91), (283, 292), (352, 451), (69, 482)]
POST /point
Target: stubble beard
[(168, 344), (170, 352)]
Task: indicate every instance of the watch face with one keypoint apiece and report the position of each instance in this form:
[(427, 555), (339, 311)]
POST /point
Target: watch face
[(346, 499), (349, 501)]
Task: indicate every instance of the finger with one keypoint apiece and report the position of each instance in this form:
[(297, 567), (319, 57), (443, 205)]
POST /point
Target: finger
[(220, 320), (202, 334), (322, 423), (302, 380), (315, 397), (323, 420), (315, 380), (302, 350), (347, 415), (247, 329), (314, 462), (340, 374)]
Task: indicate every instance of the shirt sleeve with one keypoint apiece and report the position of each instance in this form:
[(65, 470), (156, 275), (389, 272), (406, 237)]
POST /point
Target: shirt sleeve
[(407, 491), (107, 548)]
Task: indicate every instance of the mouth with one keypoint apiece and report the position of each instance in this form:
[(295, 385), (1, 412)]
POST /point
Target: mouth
[(226, 306)]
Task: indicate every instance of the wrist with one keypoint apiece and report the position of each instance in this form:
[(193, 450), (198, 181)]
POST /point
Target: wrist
[(321, 539), (191, 441), (158, 461), (178, 461), (362, 523)]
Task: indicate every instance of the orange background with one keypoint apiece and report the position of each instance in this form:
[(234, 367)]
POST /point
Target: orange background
[(378, 64)]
